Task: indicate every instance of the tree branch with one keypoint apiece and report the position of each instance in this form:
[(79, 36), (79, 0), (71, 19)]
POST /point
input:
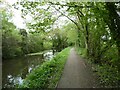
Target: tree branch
[(80, 12), (78, 15), (70, 5), (67, 16)]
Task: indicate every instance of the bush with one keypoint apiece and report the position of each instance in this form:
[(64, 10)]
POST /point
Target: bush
[(109, 76)]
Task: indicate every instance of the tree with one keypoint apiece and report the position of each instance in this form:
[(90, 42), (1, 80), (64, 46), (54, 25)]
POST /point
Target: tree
[(24, 46), (10, 38), (113, 23)]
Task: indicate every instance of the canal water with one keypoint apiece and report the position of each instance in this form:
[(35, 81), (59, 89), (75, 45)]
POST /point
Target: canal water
[(15, 70)]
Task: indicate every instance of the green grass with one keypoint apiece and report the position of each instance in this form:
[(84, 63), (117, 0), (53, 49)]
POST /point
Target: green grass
[(48, 74), (81, 51)]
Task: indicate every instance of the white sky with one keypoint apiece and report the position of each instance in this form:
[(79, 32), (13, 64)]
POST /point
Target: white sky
[(17, 19), (11, 1)]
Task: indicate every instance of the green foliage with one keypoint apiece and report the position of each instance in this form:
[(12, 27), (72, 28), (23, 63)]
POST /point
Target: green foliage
[(10, 39), (95, 30), (71, 31), (81, 51), (98, 35), (111, 58), (39, 12), (48, 74), (47, 45), (17, 42), (35, 42), (59, 39), (109, 76)]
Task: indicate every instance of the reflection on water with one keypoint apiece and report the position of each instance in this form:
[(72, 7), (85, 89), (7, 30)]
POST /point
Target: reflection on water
[(15, 70), (48, 55), (13, 81)]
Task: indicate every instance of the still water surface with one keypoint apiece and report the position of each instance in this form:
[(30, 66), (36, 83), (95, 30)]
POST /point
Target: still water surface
[(15, 70)]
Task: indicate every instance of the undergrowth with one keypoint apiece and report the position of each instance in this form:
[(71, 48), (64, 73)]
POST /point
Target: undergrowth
[(109, 76)]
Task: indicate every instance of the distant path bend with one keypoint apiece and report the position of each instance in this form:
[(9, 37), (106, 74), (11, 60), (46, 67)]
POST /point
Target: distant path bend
[(77, 74)]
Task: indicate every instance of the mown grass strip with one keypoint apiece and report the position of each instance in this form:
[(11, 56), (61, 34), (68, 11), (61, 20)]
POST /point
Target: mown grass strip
[(48, 74)]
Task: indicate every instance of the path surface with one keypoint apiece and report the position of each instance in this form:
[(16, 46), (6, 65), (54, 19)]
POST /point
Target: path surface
[(77, 74)]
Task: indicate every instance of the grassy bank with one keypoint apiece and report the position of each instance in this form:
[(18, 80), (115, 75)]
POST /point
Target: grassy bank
[(48, 74)]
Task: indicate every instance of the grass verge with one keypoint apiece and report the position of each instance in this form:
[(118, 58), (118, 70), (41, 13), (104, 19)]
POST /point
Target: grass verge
[(48, 74), (81, 51)]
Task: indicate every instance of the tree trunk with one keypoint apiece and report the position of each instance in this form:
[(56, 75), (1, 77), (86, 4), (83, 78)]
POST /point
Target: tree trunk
[(87, 39), (78, 30)]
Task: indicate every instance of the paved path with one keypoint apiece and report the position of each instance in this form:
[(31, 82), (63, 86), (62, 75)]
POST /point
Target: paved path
[(76, 73)]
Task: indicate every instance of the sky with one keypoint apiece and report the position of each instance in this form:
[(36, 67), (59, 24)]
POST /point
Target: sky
[(17, 19), (11, 1)]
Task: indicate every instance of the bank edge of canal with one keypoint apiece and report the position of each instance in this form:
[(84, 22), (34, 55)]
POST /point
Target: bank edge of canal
[(48, 74)]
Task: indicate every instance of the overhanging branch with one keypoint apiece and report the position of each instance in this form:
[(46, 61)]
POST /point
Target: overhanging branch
[(70, 5), (66, 16)]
